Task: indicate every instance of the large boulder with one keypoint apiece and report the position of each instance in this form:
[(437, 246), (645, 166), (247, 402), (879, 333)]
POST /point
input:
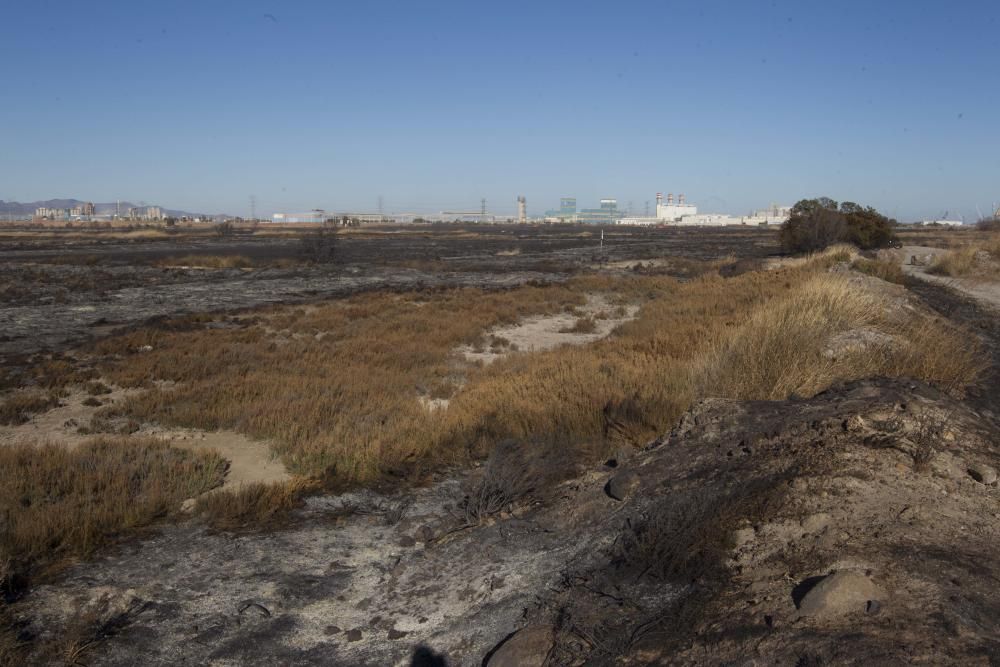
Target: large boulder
[(843, 592)]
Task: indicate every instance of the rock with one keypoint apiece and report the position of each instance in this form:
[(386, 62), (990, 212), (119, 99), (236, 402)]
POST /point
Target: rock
[(843, 592), (332, 630), (528, 647), (354, 635), (406, 541), (816, 522), (621, 486), (983, 474), (425, 533), (189, 505), (397, 634)]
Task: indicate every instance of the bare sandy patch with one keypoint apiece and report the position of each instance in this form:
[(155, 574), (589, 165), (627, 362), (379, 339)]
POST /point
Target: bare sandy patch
[(249, 460), (61, 424), (546, 332)]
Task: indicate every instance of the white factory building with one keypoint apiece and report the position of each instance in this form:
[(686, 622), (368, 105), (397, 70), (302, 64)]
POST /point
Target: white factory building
[(671, 212), (947, 223), (683, 213)]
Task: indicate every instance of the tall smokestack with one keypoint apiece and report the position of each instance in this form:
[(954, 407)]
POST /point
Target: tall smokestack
[(670, 199), (680, 199), (659, 198)]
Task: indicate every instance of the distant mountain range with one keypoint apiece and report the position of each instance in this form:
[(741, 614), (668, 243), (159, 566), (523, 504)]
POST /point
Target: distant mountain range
[(27, 209)]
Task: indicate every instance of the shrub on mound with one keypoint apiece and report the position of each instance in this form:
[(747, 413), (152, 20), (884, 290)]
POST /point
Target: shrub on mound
[(815, 224)]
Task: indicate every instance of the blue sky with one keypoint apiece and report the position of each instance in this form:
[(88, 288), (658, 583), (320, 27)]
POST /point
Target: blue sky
[(433, 105)]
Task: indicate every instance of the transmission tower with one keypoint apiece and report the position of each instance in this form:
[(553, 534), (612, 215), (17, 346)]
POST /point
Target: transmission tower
[(253, 207), (482, 213), (647, 208), (380, 206)]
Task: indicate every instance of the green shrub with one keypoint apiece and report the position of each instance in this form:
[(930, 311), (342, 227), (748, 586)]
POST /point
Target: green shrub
[(815, 224)]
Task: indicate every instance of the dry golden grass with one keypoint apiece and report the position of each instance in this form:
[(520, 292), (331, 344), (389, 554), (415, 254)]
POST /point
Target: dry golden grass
[(18, 407), (955, 263), (336, 387), (781, 349), (58, 503), (889, 271), (252, 505), (976, 259)]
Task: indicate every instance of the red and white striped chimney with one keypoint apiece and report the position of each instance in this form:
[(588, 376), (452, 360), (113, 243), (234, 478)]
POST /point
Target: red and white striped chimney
[(680, 200), (659, 198), (670, 199)]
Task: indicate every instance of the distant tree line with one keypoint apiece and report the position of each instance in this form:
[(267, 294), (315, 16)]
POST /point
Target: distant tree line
[(815, 224)]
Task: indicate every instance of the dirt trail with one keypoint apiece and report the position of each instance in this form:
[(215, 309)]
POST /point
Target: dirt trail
[(987, 291)]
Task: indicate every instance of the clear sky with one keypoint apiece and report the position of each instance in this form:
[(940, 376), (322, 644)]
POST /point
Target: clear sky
[(433, 105)]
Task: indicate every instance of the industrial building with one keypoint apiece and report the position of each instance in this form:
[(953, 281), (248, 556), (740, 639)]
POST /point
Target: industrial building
[(607, 214), (565, 213), (318, 216), (682, 213), (314, 216)]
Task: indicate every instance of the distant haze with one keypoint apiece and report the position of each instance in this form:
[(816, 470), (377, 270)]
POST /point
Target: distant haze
[(434, 105)]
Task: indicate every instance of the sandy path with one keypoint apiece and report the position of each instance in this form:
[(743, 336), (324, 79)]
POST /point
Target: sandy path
[(987, 291)]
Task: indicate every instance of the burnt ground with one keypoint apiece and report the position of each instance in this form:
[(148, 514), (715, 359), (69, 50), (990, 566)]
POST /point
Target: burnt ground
[(728, 521), (712, 545), (709, 546), (56, 293)]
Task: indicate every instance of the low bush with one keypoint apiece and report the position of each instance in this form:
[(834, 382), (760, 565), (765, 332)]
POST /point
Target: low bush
[(583, 325)]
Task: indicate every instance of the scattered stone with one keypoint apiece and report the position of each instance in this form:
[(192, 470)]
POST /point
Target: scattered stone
[(354, 635), (621, 486), (189, 505), (250, 606), (528, 647), (425, 533), (406, 541), (983, 474), (397, 634), (332, 630), (840, 593)]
